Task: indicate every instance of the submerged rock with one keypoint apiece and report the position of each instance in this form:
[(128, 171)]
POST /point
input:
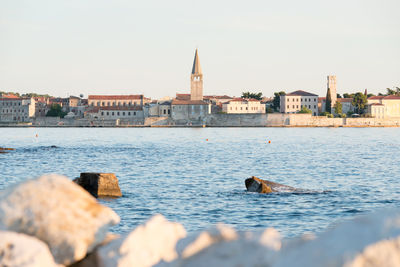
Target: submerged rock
[(145, 246), (19, 250), (254, 184), (58, 212), (99, 184)]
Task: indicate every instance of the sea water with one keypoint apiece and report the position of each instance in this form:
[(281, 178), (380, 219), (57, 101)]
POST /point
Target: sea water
[(195, 176)]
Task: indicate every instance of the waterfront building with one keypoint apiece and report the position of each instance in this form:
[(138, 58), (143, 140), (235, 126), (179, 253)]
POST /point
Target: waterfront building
[(17, 109), (384, 106), (117, 100), (346, 105), (294, 101), (194, 108), (242, 105), (196, 80)]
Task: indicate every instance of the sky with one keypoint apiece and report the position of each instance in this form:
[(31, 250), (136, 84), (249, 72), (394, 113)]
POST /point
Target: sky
[(72, 47)]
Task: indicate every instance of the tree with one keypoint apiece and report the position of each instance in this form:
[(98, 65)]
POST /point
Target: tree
[(347, 95), (56, 111), (338, 96), (359, 101), (328, 101), (276, 104), (305, 110), (369, 95), (390, 91), (257, 96), (338, 108)]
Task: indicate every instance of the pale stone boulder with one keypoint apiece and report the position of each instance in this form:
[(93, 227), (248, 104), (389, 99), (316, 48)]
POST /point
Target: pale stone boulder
[(145, 246), (58, 212), (342, 244), (384, 253), (222, 246), (19, 250), (99, 184)]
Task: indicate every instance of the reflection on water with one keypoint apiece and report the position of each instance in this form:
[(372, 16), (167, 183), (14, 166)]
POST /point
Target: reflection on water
[(178, 173)]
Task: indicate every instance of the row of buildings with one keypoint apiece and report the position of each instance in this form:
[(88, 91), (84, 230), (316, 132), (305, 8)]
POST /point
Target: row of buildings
[(183, 107)]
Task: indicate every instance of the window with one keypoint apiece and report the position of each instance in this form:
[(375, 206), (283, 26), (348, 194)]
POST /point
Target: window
[(103, 104), (305, 99), (129, 113), (102, 113), (246, 108), (134, 113), (288, 99), (108, 104), (169, 111), (315, 106), (293, 106), (112, 113), (165, 111), (108, 113), (287, 106), (297, 106), (123, 113), (118, 113)]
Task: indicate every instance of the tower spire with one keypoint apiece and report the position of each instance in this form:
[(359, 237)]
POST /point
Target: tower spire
[(196, 64), (196, 79)]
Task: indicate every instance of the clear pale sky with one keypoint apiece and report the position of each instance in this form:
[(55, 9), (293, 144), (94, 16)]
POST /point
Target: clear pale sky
[(68, 47)]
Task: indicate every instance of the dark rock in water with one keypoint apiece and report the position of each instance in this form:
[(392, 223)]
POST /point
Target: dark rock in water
[(5, 150), (99, 184), (254, 184), (53, 146)]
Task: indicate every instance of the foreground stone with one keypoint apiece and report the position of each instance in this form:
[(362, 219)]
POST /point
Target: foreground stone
[(145, 246), (23, 251), (222, 246), (58, 212), (254, 184), (350, 244), (100, 184)]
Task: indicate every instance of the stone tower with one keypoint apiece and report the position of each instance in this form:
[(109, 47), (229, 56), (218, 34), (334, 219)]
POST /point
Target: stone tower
[(196, 80), (332, 86)]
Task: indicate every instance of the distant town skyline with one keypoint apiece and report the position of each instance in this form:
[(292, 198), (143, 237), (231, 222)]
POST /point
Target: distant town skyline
[(125, 47)]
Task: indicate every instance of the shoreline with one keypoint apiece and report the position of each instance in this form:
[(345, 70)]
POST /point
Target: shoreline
[(201, 126)]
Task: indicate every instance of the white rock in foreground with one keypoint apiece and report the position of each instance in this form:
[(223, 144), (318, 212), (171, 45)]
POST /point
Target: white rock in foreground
[(59, 212), (384, 253), (222, 246), (340, 245), (19, 250), (145, 246)]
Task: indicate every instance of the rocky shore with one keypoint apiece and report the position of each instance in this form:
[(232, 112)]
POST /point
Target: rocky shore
[(52, 221)]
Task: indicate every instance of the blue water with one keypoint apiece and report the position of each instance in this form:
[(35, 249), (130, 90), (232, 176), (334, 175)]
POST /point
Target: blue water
[(176, 172)]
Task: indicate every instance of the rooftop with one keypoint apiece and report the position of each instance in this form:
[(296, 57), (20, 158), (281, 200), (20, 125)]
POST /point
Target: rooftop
[(114, 97), (188, 102), (301, 93)]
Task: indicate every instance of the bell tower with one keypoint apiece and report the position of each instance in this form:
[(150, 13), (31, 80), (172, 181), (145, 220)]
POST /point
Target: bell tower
[(196, 80), (332, 85)]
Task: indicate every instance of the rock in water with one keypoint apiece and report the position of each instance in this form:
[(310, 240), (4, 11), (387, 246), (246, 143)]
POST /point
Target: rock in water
[(19, 250), (58, 212), (145, 246), (100, 184), (254, 184)]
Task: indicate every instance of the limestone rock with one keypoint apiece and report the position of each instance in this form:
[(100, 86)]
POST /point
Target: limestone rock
[(100, 184), (145, 246), (222, 246), (19, 250), (343, 243), (254, 184), (384, 253), (60, 213)]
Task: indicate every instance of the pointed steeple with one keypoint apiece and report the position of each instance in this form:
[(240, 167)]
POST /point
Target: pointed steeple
[(196, 64)]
